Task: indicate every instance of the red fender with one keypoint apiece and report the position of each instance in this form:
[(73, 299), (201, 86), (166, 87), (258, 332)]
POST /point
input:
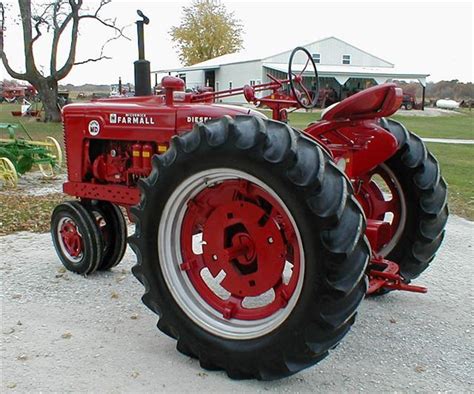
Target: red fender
[(351, 130), (362, 144)]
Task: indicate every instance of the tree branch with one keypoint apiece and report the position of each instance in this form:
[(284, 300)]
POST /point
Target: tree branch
[(30, 66), (10, 71), (3, 55), (76, 18), (58, 31), (107, 23), (101, 56), (39, 21), (91, 60), (66, 68)]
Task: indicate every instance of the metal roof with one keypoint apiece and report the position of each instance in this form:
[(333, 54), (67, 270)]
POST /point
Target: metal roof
[(325, 70), (340, 72), (245, 56)]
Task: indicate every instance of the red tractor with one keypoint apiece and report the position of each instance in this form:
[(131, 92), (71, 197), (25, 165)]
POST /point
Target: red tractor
[(409, 101), (16, 94), (256, 242)]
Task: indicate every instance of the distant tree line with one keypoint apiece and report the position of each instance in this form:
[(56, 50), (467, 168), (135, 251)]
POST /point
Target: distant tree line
[(454, 89), (87, 87), (434, 90)]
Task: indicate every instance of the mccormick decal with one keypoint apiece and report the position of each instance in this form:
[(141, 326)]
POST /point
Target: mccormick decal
[(136, 119)]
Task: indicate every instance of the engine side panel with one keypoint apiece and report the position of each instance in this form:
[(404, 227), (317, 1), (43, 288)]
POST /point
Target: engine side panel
[(109, 143)]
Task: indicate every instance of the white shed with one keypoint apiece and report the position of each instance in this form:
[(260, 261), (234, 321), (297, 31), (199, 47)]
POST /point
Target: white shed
[(342, 67)]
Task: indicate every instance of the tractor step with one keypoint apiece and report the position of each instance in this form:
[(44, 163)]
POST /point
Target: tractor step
[(384, 274)]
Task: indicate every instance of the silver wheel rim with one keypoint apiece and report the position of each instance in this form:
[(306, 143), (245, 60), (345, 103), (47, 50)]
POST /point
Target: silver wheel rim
[(387, 249), (179, 285)]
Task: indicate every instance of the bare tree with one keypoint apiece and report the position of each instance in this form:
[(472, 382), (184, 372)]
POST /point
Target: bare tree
[(54, 17)]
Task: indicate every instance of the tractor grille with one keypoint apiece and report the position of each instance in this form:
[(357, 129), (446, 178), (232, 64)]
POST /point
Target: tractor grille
[(66, 150)]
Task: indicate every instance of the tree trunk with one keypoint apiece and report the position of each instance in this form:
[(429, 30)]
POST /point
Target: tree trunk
[(61, 16), (49, 97)]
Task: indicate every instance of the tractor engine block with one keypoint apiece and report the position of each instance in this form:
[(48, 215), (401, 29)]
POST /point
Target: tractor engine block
[(119, 162)]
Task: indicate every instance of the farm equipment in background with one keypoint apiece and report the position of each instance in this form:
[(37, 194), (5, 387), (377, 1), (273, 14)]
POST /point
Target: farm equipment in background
[(18, 155), (409, 102), (16, 94), (327, 97), (29, 100), (447, 104), (63, 98), (256, 242), (28, 109)]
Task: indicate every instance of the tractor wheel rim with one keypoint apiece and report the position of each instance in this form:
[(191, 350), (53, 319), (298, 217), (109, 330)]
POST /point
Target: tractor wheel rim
[(70, 240), (377, 205), (234, 269)]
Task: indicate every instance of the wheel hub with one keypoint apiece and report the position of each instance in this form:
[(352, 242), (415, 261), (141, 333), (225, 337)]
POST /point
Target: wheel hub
[(71, 238), (381, 197), (251, 264), (239, 253)]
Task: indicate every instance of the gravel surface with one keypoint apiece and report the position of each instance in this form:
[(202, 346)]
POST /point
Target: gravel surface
[(62, 332), (34, 184)]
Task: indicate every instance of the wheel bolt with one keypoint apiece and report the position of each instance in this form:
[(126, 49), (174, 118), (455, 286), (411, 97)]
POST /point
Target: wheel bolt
[(214, 257), (270, 240)]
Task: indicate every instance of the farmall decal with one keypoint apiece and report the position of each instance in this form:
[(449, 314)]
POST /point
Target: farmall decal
[(134, 119)]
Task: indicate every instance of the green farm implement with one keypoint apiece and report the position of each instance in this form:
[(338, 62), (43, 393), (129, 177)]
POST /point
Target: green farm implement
[(19, 155)]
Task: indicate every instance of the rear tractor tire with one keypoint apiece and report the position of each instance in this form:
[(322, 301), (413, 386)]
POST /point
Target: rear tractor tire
[(251, 248), (424, 194), (408, 191)]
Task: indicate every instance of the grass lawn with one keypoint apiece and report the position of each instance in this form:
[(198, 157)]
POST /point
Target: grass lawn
[(447, 126), (37, 130), (457, 165), (456, 126), (457, 162)]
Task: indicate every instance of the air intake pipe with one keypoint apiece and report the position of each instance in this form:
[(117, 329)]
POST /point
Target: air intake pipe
[(142, 66)]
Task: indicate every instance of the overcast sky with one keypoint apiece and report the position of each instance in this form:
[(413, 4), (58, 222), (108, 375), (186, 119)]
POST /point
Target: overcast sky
[(431, 37)]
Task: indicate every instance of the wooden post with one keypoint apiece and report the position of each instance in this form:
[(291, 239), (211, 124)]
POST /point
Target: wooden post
[(423, 97)]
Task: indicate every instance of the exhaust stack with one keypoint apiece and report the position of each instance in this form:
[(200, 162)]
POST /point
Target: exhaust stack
[(142, 66)]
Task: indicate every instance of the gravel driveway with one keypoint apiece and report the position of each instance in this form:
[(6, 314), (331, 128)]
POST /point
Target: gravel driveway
[(62, 332)]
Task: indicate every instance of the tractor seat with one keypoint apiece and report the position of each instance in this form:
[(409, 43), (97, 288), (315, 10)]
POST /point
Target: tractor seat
[(375, 102)]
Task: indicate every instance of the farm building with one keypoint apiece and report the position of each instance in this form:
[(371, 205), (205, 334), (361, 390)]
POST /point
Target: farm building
[(343, 70)]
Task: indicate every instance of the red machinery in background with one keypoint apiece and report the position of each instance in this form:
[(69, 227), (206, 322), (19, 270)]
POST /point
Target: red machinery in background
[(255, 241), (14, 94)]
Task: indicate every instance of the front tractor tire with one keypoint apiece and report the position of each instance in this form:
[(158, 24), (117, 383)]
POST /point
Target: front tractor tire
[(76, 237), (89, 235), (113, 230), (251, 248)]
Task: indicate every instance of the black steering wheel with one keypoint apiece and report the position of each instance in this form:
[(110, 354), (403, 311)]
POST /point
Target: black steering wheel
[(306, 96)]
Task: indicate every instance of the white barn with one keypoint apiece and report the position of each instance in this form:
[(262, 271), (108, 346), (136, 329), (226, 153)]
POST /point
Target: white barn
[(341, 66)]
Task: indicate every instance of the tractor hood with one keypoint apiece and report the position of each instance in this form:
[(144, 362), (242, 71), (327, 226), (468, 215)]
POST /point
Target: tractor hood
[(151, 113)]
